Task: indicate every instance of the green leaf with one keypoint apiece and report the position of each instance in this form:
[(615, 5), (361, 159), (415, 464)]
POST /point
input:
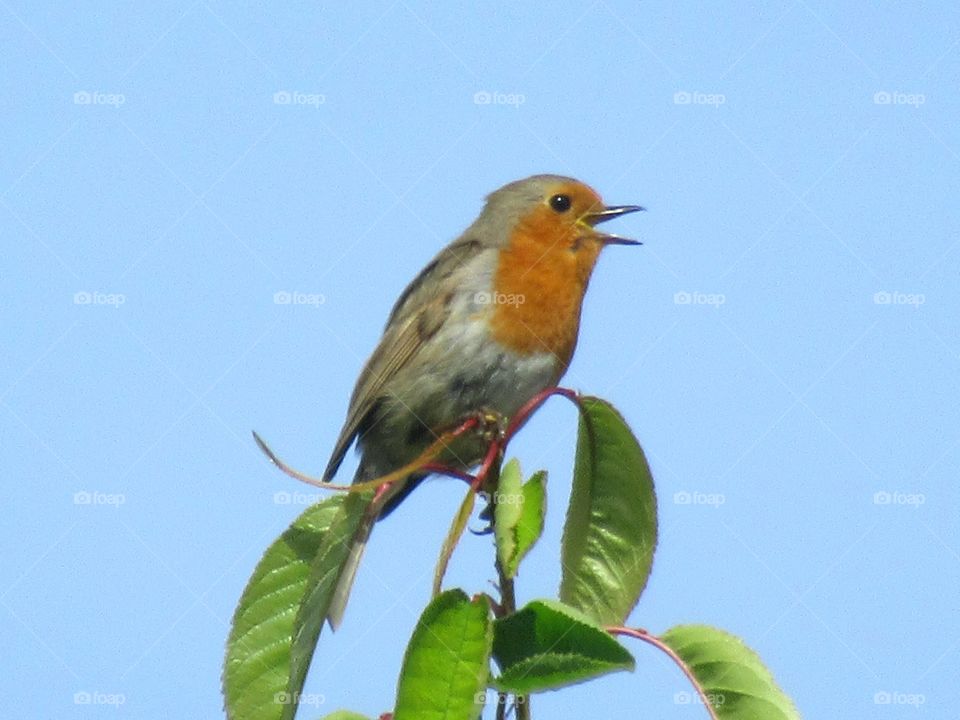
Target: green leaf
[(325, 571), (344, 715), (257, 665), (447, 663), (733, 677), (506, 513), (518, 515), (546, 645), (611, 529), (533, 512)]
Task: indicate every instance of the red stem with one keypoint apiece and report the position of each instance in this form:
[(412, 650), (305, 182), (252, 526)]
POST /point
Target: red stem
[(441, 469), (528, 408), (493, 452), (641, 634)]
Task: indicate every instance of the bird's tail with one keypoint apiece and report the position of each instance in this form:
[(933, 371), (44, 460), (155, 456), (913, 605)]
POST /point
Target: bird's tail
[(379, 508), (341, 593)]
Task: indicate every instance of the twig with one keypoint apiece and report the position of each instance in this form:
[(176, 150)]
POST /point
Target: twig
[(424, 459), (641, 634), (528, 408)]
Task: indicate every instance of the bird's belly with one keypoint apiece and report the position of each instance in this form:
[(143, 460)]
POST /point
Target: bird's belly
[(464, 372), (472, 372), (498, 380)]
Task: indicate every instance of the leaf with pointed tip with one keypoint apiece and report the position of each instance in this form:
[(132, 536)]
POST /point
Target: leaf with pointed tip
[(447, 663), (611, 530), (257, 665), (734, 679), (325, 571), (547, 645)]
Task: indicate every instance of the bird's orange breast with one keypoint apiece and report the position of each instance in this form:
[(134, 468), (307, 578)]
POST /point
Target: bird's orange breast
[(538, 289)]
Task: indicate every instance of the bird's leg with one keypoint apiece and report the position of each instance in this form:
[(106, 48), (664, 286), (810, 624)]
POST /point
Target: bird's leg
[(493, 425), (488, 424), (486, 515)]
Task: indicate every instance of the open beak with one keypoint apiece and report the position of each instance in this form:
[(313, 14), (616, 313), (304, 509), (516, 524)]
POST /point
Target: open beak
[(609, 213)]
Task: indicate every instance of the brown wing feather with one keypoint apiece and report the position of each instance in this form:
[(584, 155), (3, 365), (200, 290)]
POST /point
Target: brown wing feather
[(418, 314)]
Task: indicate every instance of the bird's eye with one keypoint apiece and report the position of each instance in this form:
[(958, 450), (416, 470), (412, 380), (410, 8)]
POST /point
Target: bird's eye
[(560, 203)]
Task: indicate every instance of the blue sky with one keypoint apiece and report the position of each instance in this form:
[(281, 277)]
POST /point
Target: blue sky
[(786, 344)]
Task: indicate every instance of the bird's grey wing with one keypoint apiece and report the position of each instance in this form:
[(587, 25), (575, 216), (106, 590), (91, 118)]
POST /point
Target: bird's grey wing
[(417, 315)]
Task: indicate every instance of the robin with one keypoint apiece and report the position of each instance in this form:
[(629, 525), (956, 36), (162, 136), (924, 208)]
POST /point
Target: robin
[(490, 322)]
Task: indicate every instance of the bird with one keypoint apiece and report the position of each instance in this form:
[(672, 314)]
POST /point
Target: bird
[(491, 321)]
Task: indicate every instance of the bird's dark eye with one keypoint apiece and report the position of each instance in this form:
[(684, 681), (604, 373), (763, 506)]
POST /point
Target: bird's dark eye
[(560, 203)]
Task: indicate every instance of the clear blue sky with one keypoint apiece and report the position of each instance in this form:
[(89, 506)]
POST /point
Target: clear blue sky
[(786, 344)]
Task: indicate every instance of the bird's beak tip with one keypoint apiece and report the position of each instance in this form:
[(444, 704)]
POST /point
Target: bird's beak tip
[(609, 213), (612, 211), (617, 240)]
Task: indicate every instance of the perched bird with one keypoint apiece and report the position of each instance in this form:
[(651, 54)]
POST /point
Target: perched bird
[(490, 322)]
